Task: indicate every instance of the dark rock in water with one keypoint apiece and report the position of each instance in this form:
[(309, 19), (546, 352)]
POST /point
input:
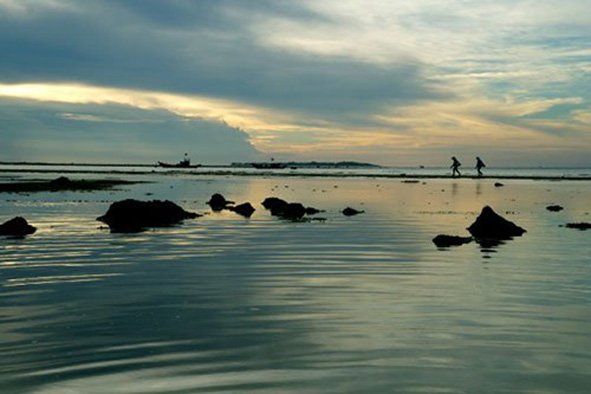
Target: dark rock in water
[(554, 208), (274, 204), (217, 202), (245, 209), (312, 211), (444, 241), (61, 182), (134, 216), (351, 211), (287, 210), (293, 210), (499, 184), (579, 226), (16, 227), (490, 225)]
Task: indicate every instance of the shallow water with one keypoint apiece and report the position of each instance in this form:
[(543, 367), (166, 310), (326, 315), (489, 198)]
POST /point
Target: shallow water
[(363, 303), (467, 171)]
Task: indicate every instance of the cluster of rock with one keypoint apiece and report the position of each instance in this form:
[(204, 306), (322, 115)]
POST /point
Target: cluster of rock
[(287, 210), (489, 228), (218, 202), (129, 216)]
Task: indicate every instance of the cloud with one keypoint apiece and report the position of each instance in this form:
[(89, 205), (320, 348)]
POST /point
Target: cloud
[(197, 48), (114, 133), (337, 78)]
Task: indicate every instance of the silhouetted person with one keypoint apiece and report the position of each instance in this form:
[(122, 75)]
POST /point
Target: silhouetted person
[(454, 166), (479, 165)]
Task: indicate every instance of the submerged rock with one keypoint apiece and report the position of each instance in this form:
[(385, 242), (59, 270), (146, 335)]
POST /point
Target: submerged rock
[(491, 225), (312, 211), (287, 210), (293, 210), (61, 182), (579, 226), (274, 204), (351, 211), (134, 216), (245, 209), (217, 202), (554, 208), (16, 227), (444, 241)]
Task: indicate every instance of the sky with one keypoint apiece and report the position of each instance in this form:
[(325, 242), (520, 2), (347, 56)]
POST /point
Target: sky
[(388, 82)]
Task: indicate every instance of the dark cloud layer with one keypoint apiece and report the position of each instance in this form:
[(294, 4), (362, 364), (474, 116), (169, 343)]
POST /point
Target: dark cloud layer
[(202, 47), (53, 132)]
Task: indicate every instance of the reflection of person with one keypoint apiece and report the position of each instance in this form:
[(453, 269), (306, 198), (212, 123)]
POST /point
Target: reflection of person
[(479, 165), (455, 165)]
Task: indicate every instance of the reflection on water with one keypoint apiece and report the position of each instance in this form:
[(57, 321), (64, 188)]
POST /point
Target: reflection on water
[(364, 303)]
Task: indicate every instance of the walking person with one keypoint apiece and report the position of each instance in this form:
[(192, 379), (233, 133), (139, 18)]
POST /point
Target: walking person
[(455, 167), (479, 165)]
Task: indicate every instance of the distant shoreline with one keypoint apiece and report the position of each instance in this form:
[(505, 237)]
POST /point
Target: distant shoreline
[(285, 174)]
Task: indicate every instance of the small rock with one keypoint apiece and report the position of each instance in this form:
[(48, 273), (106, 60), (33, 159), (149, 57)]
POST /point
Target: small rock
[(62, 181), (217, 202), (282, 208), (579, 226), (351, 211), (293, 210), (554, 208), (135, 216), (491, 225), (16, 227), (444, 241), (274, 203), (245, 209), (312, 211), (499, 184)]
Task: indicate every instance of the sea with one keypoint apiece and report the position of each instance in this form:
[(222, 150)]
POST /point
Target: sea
[(336, 304)]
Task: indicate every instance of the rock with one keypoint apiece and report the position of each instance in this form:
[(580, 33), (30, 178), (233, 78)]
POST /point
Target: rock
[(490, 225), (579, 226), (444, 241), (217, 202), (134, 216), (245, 209), (61, 182), (351, 211), (554, 208), (16, 227), (293, 210), (499, 184), (287, 210), (282, 208), (274, 204), (312, 211)]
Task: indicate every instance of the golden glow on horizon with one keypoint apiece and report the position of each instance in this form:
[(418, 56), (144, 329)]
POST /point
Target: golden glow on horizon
[(234, 113), (427, 124)]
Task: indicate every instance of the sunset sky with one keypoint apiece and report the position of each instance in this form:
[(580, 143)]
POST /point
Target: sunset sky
[(389, 82)]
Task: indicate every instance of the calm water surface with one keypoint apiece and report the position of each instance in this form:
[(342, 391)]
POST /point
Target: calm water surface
[(351, 304)]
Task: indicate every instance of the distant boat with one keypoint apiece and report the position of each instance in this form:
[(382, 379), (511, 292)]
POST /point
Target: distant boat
[(269, 166), (185, 163), (178, 165)]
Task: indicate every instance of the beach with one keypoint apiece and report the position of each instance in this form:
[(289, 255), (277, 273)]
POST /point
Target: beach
[(223, 303)]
